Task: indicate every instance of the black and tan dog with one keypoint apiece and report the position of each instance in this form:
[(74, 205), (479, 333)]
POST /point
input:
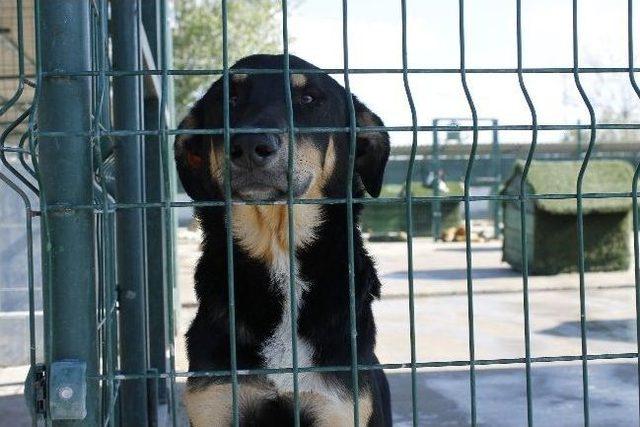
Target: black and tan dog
[(261, 252)]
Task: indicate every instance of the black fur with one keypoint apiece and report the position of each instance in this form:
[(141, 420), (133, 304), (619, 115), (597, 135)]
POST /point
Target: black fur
[(324, 316)]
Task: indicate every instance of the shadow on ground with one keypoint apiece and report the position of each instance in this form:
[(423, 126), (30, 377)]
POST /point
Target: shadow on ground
[(623, 330), (443, 397), (455, 273), (473, 249)]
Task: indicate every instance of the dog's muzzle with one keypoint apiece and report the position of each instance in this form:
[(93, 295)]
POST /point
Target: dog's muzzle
[(259, 164)]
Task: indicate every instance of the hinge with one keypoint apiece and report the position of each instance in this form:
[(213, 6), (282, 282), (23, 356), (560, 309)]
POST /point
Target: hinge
[(35, 390), (59, 393)]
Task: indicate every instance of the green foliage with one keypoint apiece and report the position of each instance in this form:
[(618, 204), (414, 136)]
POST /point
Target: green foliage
[(254, 26)]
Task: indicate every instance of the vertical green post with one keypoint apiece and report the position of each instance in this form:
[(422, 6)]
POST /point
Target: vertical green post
[(66, 178), (436, 214), (125, 20), (496, 160), (578, 141), (156, 251)]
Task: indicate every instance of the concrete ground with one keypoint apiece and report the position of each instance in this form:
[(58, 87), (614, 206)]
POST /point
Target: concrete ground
[(441, 330)]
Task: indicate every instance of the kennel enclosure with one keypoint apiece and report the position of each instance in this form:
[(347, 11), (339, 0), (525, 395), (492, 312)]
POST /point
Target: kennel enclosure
[(90, 158)]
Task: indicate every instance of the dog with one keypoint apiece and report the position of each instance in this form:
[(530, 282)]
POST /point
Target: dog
[(258, 170)]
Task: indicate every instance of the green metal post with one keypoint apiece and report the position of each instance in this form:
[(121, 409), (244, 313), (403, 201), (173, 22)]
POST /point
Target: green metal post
[(156, 253), (578, 141), (125, 21), (436, 214), (496, 161), (66, 178)]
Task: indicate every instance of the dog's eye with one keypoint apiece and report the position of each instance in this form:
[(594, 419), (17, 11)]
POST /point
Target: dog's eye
[(306, 99), (233, 100)]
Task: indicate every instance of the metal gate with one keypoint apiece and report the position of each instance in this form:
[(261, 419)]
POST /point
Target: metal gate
[(94, 148)]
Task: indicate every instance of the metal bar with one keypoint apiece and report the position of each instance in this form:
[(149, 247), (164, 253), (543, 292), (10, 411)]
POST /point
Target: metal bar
[(166, 100), (635, 208), (364, 200), (389, 366), (228, 217), (409, 217), (325, 129), (29, 214), (579, 184), (155, 242), (523, 217), (129, 224), (497, 173), (21, 74), (102, 118), (66, 176), (436, 209), (218, 71), (293, 297), (467, 216), (3, 137), (350, 222)]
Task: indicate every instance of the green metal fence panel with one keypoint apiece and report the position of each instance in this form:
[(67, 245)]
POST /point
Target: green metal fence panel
[(108, 230)]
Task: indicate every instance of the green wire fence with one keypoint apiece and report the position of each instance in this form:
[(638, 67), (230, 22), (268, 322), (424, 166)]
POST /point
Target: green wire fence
[(94, 147)]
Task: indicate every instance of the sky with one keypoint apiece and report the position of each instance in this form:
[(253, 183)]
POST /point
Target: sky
[(433, 42)]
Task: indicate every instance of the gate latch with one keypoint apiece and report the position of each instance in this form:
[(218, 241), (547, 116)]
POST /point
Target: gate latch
[(57, 393)]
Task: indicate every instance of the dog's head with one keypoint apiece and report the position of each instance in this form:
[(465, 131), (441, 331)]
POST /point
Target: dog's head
[(259, 160)]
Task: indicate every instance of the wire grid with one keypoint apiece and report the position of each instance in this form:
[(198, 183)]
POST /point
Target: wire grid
[(109, 375)]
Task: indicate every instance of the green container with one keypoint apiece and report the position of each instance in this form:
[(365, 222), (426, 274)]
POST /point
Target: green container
[(391, 217), (552, 236)]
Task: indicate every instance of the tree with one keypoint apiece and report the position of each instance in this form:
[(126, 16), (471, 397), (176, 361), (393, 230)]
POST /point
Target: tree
[(254, 26)]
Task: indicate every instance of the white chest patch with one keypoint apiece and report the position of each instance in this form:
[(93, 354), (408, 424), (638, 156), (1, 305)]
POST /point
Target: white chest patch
[(278, 349)]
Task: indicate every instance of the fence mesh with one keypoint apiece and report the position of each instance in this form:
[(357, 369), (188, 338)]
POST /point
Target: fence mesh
[(93, 146)]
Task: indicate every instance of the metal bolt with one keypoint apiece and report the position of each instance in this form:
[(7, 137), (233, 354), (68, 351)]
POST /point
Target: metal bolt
[(65, 392)]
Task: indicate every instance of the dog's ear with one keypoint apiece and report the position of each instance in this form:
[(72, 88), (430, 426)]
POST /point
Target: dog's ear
[(191, 154), (372, 149)]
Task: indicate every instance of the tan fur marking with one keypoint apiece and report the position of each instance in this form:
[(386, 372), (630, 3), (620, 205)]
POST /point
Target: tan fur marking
[(263, 231), (237, 78), (298, 80), (329, 161), (215, 164), (334, 413), (211, 406)]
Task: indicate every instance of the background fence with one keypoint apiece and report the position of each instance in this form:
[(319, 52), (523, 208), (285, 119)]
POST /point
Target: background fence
[(86, 146)]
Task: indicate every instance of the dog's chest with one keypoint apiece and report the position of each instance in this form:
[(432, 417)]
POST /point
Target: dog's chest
[(277, 351)]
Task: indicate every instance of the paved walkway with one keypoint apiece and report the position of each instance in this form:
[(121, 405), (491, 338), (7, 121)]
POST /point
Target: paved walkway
[(442, 335)]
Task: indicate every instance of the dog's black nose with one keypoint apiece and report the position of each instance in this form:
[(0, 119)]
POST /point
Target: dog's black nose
[(250, 150)]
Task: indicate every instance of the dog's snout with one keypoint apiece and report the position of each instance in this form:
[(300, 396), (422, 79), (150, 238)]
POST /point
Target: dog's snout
[(253, 150)]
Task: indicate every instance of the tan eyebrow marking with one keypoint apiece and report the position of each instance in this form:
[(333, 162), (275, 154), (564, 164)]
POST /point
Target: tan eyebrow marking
[(237, 78), (298, 80)]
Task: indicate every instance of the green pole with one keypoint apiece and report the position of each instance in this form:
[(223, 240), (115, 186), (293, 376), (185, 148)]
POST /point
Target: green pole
[(497, 176), (156, 251), (127, 116), (65, 163), (436, 214)]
